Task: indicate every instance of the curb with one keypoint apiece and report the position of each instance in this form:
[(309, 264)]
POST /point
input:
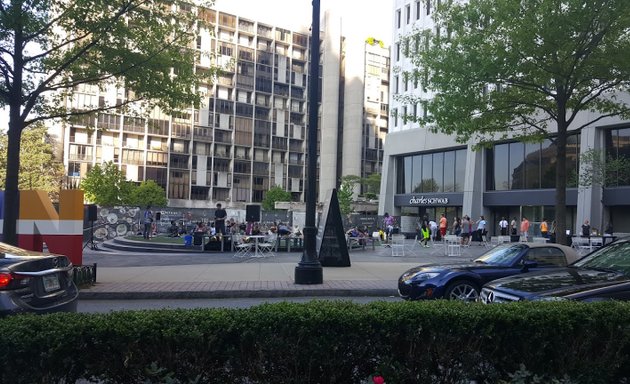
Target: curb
[(232, 294)]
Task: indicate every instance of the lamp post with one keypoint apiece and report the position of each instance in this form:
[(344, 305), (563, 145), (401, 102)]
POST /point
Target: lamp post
[(309, 269)]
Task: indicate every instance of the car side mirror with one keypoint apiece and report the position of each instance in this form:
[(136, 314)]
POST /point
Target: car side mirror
[(527, 264)]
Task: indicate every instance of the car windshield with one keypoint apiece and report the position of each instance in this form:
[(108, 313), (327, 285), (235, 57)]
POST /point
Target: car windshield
[(503, 255), (615, 257)]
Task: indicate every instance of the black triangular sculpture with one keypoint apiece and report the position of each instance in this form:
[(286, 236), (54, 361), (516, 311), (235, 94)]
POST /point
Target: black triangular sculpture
[(332, 249)]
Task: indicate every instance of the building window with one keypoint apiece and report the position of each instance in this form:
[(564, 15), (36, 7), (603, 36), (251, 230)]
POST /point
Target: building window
[(431, 172), (516, 165), (408, 13), (428, 7), (395, 85), (397, 53), (618, 148), (398, 18), (417, 9)]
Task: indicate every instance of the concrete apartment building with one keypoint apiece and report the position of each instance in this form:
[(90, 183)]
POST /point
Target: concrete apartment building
[(426, 173), (250, 134)]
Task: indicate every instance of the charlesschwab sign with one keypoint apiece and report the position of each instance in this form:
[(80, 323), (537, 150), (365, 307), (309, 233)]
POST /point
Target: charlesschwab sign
[(428, 200)]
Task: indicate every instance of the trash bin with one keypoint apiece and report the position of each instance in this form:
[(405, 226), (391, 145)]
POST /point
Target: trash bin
[(188, 239)]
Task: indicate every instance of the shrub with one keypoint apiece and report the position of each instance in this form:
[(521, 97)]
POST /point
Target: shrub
[(324, 342)]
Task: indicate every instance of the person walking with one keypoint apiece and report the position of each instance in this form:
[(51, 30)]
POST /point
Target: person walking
[(524, 228), (544, 228), (481, 230), (147, 220), (513, 227), (465, 230), (443, 225), (503, 226), (457, 226), (426, 234)]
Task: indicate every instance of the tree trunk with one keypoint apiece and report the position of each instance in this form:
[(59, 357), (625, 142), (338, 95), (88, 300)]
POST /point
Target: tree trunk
[(11, 207), (561, 179)]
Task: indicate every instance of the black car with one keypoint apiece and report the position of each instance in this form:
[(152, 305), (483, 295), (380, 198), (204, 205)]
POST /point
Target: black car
[(35, 282), (463, 281), (602, 275)]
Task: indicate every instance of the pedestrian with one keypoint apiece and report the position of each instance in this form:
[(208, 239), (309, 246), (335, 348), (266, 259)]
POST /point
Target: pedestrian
[(433, 226), (586, 229), (481, 229), (219, 219), (443, 225), (503, 226), (513, 230), (457, 226), (388, 224), (524, 228), (147, 220), (544, 228), (425, 235), (465, 230)]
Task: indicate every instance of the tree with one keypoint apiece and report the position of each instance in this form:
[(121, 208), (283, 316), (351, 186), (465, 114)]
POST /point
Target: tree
[(51, 48), (373, 183), (345, 193), (594, 170), (148, 193), (106, 185), (39, 168), (528, 70), (275, 193)]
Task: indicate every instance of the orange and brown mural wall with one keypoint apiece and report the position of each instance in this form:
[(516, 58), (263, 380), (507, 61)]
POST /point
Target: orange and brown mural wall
[(40, 222)]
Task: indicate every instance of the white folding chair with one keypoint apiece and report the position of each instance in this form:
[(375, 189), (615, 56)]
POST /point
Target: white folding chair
[(268, 245), (582, 245), (453, 246), (241, 248), (398, 245)]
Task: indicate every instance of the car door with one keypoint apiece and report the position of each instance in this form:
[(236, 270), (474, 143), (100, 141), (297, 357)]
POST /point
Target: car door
[(545, 258)]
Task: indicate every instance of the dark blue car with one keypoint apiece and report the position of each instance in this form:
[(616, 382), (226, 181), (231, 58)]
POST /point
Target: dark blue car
[(463, 281)]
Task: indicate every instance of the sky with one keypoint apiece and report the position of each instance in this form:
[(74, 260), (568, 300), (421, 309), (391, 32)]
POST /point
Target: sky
[(364, 17)]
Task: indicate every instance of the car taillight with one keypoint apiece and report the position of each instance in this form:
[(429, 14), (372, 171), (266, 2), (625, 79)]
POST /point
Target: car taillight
[(5, 279)]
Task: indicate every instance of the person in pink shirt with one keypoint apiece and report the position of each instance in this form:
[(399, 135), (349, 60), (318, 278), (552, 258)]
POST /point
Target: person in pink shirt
[(443, 225), (524, 227)]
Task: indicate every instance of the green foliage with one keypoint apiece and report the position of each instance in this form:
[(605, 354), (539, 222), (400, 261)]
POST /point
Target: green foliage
[(39, 168), (106, 185), (345, 193), (54, 48), (275, 193), (373, 183), (523, 69), (595, 170), (148, 193), (325, 342)]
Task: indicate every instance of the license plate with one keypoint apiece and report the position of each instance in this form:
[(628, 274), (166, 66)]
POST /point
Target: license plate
[(51, 283)]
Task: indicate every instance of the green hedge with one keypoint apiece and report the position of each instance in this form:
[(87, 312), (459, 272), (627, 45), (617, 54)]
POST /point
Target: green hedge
[(324, 342)]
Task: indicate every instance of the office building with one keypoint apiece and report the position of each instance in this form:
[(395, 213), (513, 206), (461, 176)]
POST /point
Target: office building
[(427, 173), (251, 132)]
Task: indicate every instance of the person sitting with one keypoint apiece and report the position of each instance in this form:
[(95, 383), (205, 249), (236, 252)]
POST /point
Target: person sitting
[(354, 237), (173, 230), (283, 229), (200, 227), (255, 229)]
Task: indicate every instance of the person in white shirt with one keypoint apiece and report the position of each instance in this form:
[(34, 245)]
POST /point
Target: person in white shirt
[(503, 225), (481, 228), (434, 229)]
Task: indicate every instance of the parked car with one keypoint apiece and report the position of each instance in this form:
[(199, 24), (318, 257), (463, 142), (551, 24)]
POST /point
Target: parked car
[(463, 281), (35, 282), (602, 275)]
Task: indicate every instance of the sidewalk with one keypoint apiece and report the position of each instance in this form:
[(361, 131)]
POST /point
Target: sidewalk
[(178, 276)]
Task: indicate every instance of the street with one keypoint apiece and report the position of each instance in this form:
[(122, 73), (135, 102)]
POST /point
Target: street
[(105, 306)]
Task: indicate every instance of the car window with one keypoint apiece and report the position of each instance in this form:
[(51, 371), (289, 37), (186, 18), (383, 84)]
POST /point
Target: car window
[(547, 256), (615, 256), (503, 255)]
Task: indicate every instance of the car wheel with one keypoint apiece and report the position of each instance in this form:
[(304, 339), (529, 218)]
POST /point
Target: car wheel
[(462, 290)]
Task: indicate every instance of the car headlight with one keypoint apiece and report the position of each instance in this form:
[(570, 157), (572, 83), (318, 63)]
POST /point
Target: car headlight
[(421, 276)]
